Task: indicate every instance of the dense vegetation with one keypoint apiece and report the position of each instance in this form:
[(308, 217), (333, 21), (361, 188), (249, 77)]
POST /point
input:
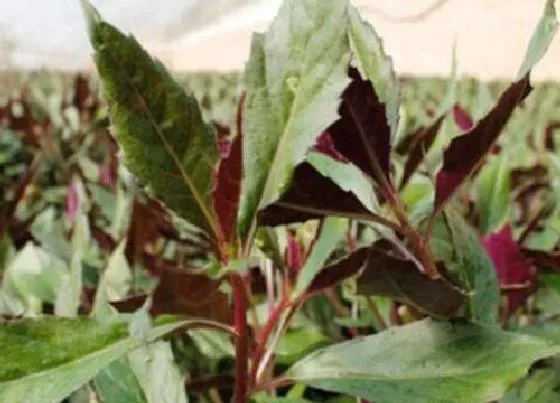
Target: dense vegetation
[(313, 230)]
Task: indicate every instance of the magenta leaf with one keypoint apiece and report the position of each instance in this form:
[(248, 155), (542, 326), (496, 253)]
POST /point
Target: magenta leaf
[(393, 276), (462, 119), (466, 152), (513, 268), (420, 145), (363, 134)]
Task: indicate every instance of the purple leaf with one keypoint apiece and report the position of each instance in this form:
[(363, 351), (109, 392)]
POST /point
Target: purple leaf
[(467, 151), (362, 134), (310, 196), (227, 188), (390, 275), (342, 270), (419, 147), (325, 145)]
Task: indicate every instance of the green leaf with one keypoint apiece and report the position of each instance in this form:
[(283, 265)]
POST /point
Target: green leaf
[(294, 345), (475, 269), (375, 65), (493, 190), (35, 273), (333, 231), (159, 126), (159, 376), (69, 296), (294, 79), (543, 35), (114, 283), (46, 360), (426, 361), (347, 176), (117, 383)]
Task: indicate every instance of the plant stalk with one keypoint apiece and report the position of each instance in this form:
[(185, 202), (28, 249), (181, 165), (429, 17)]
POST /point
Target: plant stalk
[(242, 342)]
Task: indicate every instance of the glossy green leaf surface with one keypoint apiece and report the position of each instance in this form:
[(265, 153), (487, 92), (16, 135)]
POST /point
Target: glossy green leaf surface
[(294, 78), (425, 362)]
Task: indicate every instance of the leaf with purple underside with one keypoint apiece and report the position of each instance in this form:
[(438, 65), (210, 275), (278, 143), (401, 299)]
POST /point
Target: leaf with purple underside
[(294, 78), (419, 147), (227, 188), (467, 151), (320, 187), (393, 276), (362, 134), (339, 271)]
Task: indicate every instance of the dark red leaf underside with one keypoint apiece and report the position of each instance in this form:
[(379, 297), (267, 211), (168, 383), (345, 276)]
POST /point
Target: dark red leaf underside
[(148, 222), (183, 293), (462, 119), (310, 196), (547, 260), (513, 268), (339, 271), (325, 145), (362, 134), (392, 276), (419, 147), (227, 189), (466, 152)]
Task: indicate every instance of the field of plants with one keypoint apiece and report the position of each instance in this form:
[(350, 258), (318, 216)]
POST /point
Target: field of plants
[(315, 229)]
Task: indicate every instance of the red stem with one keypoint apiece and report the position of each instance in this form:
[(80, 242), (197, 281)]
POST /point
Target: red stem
[(242, 341)]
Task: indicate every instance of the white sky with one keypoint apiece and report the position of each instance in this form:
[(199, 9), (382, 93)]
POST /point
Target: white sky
[(52, 32)]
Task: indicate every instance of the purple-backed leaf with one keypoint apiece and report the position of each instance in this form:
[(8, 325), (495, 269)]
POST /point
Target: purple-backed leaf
[(227, 188), (466, 152), (325, 145), (419, 147), (226, 193), (390, 275), (462, 118), (311, 196), (513, 268), (548, 260), (183, 293), (362, 134), (339, 271)]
